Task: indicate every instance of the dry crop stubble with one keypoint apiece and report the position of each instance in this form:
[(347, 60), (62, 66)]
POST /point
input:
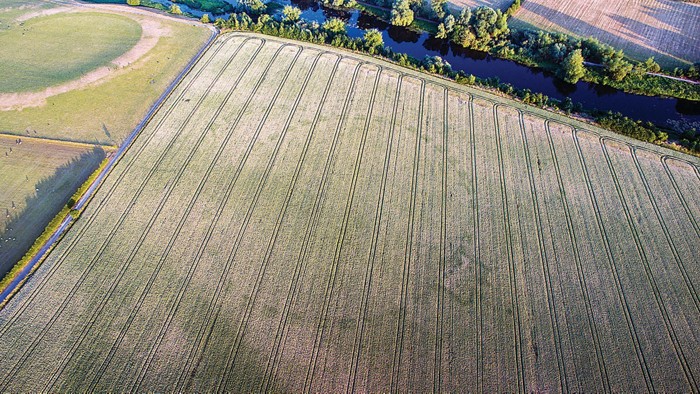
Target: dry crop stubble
[(461, 326), (129, 229), (297, 218), (665, 29)]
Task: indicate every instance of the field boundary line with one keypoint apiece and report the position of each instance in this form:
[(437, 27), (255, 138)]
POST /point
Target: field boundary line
[(54, 141), (613, 268), (240, 332), (173, 310), (164, 199), (563, 379), (408, 251), (89, 193), (362, 315), (91, 265), (647, 270), (440, 310), (310, 228), (515, 303), (602, 369), (330, 285)]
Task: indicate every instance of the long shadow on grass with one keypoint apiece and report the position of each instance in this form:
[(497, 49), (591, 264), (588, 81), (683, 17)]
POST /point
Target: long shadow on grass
[(571, 23), (52, 194)]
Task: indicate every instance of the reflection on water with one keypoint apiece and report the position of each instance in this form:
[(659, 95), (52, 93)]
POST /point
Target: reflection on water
[(483, 65)]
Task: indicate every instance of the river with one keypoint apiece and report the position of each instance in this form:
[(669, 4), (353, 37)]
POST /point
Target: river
[(592, 96)]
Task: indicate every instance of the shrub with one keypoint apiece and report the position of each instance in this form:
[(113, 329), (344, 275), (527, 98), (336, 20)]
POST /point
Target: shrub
[(175, 9), (334, 25), (291, 14)]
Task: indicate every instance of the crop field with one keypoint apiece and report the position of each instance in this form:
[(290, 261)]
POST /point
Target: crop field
[(74, 72), (37, 178), (666, 29), (296, 218)]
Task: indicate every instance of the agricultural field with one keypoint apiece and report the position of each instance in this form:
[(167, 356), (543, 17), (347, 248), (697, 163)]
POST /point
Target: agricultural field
[(56, 88), (298, 218), (37, 178), (74, 72), (666, 29)]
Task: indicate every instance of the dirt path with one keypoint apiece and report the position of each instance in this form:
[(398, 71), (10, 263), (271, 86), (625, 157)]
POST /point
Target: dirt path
[(152, 31)]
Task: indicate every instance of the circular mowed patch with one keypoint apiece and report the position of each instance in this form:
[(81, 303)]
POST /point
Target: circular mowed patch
[(48, 50)]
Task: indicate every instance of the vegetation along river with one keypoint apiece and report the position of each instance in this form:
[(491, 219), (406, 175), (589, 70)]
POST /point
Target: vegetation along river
[(591, 96)]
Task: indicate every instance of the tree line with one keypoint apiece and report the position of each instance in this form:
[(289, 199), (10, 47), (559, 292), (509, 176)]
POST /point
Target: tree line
[(334, 32)]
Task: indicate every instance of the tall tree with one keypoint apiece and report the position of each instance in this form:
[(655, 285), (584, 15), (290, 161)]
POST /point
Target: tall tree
[(438, 7), (401, 13), (373, 40), (572, 68)]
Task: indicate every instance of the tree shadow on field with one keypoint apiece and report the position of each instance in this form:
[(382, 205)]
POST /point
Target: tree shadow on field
[(684, 35), (495, 4), (642, 32), (52, 193)]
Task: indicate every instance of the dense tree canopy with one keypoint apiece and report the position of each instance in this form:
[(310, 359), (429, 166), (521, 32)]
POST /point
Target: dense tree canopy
[(572, 68), (401, 13)]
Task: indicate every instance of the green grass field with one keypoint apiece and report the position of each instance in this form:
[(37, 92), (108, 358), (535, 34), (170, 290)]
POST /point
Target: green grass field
[(297, 218), (107, 112), (42, 47), (47, 51), (37, 178)]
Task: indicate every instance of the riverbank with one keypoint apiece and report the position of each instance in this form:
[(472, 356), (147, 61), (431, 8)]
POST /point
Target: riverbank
[(315, 33)]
